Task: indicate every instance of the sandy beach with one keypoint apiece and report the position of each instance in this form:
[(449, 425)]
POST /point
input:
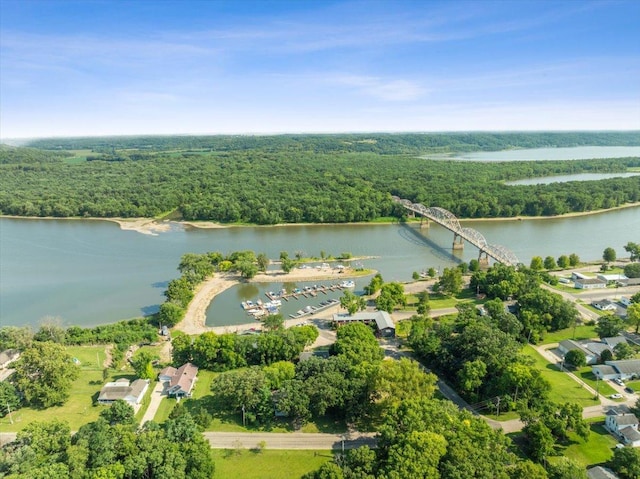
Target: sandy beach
[(195, 318)]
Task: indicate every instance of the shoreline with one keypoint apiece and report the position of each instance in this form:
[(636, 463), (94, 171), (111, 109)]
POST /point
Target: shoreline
[(152, 226), (195, 318)]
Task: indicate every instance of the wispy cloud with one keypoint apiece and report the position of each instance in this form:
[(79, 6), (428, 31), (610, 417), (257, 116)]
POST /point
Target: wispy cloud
[(386, 89)]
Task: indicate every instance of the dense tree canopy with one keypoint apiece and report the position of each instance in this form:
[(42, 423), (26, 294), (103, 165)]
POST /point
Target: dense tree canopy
[(44, 374), (311, 178)]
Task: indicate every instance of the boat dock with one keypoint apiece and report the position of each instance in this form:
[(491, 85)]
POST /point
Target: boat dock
[(309, 310), (308, 291)]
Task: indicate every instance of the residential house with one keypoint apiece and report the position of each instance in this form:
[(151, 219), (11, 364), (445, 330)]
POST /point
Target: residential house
[(122, 389), (627, 368), (604, 372), (382, 320), (613, 341), (604, 305), (612, 277), (179, 382), (624, 426), (589, 283), (625, 301), (569, 345)]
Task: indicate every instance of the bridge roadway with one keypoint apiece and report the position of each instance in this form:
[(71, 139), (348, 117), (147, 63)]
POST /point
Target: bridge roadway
[(448, 220)]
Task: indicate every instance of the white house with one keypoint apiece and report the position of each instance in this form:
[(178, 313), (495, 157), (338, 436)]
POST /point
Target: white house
[(589, 283), (624, 426), (122, 389), (568, 345), (604, 305), (626, 368), (604, 372)]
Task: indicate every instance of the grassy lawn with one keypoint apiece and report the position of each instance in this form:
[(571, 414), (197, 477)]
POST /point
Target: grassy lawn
[(566, 289), (581, 332), (588, 377), (597, 449), (563, 388), (79, 408), (635, 385), (267, 464), (440, 301)]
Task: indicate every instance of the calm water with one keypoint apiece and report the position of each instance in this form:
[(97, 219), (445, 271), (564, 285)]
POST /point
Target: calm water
[(91, 272), (534, 154), (575, 177)]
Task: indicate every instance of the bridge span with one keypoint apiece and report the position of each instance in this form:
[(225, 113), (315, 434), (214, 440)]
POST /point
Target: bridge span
[(448, 220)]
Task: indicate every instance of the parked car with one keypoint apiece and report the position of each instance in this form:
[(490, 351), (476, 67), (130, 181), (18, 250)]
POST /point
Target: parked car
[(629, 390), (618, 381), (616, 396)]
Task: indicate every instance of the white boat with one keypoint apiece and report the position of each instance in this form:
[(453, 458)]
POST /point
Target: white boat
[(348, 284)]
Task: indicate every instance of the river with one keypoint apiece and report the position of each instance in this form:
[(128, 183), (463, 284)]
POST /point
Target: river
[(538, 154), (92, 272)]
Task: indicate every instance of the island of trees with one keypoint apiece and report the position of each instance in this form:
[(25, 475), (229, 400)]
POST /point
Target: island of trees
[(302, 178)]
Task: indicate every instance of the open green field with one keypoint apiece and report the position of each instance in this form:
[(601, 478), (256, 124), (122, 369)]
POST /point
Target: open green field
[(563, 388), (267, 464), (79, 409), (598, 448), (578, 333), (440, 301)]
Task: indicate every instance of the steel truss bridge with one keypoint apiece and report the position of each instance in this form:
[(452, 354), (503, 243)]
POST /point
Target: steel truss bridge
[(448, 220)]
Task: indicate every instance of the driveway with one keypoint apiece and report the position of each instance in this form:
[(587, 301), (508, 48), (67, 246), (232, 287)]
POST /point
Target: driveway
[(293, 440), (154, 404)]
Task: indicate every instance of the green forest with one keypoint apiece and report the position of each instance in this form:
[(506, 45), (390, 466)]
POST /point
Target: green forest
[(302, 178)]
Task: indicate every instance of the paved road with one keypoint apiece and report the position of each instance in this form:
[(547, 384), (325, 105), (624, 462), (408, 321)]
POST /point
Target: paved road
[(293, 440), (154, 404)]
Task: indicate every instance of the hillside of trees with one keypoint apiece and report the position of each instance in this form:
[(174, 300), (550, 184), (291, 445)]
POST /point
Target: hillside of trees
[(291, 179)]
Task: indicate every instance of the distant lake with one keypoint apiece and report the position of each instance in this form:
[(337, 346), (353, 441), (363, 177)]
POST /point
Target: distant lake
[(565, 178), (539, 154)]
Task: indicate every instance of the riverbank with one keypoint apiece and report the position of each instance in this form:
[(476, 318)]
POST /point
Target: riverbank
[(195, 317), (152, 226)]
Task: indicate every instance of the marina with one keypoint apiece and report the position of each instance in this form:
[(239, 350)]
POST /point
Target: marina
[(259, 308)]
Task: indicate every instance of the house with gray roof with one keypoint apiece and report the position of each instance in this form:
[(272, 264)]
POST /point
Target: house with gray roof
[(624, 426), (131, 392), (604, 372), (383, 322), (627, 368), (589, 283), (613, 341), (570, 345)]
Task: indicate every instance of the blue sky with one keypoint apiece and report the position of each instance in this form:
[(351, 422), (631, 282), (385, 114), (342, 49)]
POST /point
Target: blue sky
[(72, 68)]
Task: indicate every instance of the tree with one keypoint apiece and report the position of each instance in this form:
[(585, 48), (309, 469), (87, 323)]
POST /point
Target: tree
[(605, 356), (415, 276), (626, 462), (474, 265), (273, 322), (632, 270), (247, 269), (287, 265), (396, 381), (563, 261), (576, 358), (550, 263), (423, 306), (565, 468), (609, 325), (574, 259), (170, 314), (636, 298), (9, 398), (432, 272), (540, 441), (374, 285), (142, 364), (634, 250), (352, 302), (357, 344), (120, 412), (391, 295), (633, 315), (451, 281), (536, 263), (263, 262), (623, 351), (609, 255), (44, 374), (471, 375)]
